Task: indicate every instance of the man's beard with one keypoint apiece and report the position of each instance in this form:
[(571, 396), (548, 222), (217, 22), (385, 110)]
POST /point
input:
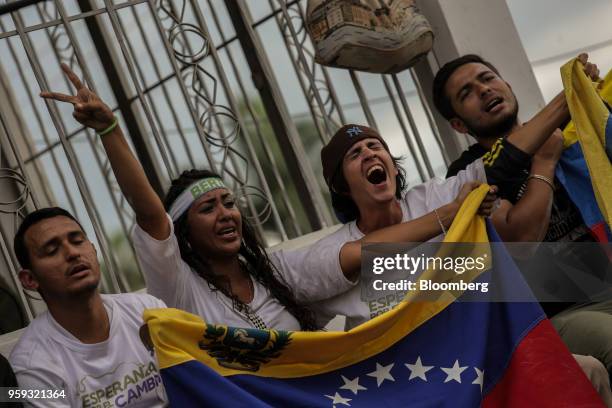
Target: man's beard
[(502, 128)]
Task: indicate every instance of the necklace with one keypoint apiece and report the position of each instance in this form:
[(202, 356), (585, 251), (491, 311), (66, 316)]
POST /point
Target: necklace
[(245, 310)]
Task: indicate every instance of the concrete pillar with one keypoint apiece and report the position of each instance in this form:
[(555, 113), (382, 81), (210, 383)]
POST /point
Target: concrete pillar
[(483, 27)]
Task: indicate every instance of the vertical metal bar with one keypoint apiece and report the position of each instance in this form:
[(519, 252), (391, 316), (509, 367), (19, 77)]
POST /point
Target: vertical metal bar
[(177, 71), (281, 122), (262, 140), (363, 100), (323, 136), (452, 142), (3, 240), (398, 114), (332, 92), (111, 68), (165, 90), (327, 80), (304, 63), (151, 102), (429, 114), (13, 273), (234, 107), (45, 135), (413, 126), (112, 14), (18, 158), (55, 117), (22, 129)]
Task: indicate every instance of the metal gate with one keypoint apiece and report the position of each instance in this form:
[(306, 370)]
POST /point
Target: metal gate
[(229, 85)]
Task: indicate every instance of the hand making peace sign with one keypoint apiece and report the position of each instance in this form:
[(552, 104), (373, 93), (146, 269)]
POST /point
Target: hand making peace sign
[(89, 109)]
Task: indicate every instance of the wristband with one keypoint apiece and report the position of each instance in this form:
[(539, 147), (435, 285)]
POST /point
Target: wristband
[(440, 222), (544, 179), (110, 128)]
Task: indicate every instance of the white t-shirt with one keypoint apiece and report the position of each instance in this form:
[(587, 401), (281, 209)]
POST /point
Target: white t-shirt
[(171, 279), (118, 372), (415, 203)]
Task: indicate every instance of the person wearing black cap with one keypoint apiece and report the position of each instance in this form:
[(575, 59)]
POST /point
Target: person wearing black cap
[(368, 194)]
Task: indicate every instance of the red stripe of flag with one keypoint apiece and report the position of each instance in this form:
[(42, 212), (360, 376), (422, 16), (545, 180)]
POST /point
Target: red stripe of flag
[(542, 373)]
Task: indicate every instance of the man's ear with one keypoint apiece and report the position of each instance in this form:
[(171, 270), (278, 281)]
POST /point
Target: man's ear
[(28, 279), (458, 125)]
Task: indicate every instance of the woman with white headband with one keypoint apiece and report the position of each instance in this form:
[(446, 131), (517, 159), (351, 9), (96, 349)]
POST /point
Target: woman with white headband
[(203, 257), (213, 239)]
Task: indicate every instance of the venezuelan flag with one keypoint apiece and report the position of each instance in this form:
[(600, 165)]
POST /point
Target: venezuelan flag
[(585, 168), (421, 354)]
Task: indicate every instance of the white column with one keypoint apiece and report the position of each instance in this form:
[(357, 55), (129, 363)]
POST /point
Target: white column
[(486, 28)]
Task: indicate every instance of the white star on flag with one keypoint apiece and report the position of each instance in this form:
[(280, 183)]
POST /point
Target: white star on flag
[(418, 369), (479, 378), (352, 385), (454, 372), (339, 399), (382, 373)]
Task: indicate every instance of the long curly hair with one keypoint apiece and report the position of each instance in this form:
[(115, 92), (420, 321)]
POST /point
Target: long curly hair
[(252, 256)]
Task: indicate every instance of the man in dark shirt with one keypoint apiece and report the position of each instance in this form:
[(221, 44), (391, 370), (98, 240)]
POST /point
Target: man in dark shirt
[(470, 93)]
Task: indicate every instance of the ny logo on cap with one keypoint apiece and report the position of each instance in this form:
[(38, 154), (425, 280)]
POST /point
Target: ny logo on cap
[(354, 131)]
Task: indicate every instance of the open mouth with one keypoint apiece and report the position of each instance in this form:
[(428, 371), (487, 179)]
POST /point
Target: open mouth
[(493, 103), (227, 232), (78, 268), (376, 174)]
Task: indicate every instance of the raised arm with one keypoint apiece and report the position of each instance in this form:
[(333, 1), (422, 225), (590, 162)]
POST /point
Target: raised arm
[(92, 112), (419, 229), (555, 114)]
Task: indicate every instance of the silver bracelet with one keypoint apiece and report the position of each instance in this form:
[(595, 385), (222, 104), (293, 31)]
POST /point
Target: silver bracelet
[(440, 221), (543, 178)]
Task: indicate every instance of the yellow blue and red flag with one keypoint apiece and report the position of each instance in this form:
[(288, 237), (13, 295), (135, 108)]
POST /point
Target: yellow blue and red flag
[(585, 167), (442, 353)]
